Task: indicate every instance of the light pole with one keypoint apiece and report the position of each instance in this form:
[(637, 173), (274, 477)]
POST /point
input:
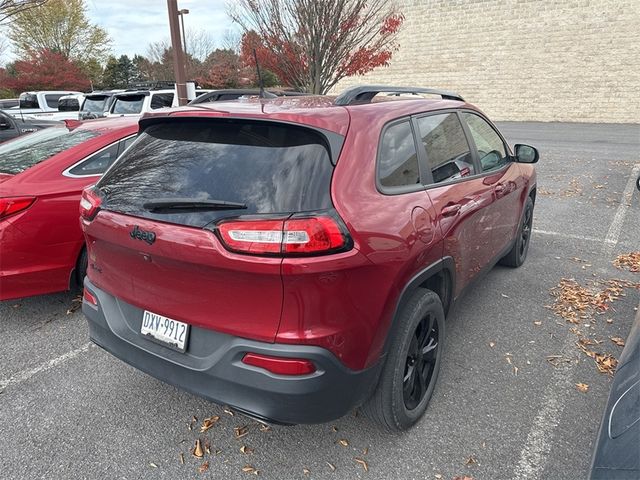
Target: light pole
[(178, 54), (182, 13)]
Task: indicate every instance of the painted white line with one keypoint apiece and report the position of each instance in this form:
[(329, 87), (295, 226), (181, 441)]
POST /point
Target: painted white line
[(25, 375), (539, 441), (567, 235), (613, 235)]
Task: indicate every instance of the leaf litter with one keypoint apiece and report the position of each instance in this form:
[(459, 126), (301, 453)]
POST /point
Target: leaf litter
[(629, 261)]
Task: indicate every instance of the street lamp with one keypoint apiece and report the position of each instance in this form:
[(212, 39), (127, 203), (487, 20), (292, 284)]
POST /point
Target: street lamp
[(182, 13)]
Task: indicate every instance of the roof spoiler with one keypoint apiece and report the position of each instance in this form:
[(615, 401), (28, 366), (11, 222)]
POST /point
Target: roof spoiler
[(364, 93)]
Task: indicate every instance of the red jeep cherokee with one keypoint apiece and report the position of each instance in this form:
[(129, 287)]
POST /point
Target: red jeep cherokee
[(295, 258)]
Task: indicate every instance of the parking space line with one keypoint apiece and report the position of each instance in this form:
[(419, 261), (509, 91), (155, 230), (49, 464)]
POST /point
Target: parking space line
[(613, 235), (25, 375), (568, 235)]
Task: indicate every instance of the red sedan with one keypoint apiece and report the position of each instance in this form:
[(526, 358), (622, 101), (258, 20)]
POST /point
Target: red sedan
[(41, 178)]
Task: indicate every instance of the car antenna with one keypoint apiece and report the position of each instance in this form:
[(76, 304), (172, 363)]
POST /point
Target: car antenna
[(260, 82)]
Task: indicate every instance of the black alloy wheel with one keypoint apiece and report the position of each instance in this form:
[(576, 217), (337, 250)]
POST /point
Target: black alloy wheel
[(420, 363)]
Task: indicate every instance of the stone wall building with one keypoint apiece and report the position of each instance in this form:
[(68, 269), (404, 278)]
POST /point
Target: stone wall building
[(543, 60)]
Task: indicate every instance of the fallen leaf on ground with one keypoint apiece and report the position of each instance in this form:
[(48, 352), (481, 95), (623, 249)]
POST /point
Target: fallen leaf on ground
[(204, 467), (229, 412), (246, 450), (537, 323), (241, 431), (197, 450), (331, 466), (492, 344), (207, 423), (264, 427), (618, 341), (207, 447), (465, 477), (250, 469), (306, 471), (365, 451), (153, 465), (630, 261), (181, 459), (363, 463), (334, 429), (471, 461), (344, 442), (438, 476), (582, 387)]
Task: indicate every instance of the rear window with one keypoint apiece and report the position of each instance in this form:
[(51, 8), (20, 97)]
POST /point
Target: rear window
[(94, 104), (29, 150), (271, 168), (68, 105), (128, 104)]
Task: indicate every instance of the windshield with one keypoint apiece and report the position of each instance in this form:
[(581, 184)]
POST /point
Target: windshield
[(29, 150), (94, 104), (128, 104)]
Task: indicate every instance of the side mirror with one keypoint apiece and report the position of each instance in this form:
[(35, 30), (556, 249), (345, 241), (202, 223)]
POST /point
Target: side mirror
[(4, 125), (526, 153)]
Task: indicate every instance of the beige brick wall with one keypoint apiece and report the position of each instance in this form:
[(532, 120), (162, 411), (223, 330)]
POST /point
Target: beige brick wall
[(544, 60)]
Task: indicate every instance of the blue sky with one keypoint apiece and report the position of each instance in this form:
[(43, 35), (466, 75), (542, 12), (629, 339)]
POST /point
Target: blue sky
[(133, 24)]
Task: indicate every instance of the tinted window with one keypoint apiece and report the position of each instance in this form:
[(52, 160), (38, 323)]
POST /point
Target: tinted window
[(160, 100), (28, 100), (5, 120), (124, 144), (97, 163), (24, 152), (52, 99), (491, 150), (397, 160), (446, 146), (128, 104), (68, 105), (271, 168)]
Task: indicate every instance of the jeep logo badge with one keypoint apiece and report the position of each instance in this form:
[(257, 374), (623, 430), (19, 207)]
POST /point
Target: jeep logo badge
[(139, 234)]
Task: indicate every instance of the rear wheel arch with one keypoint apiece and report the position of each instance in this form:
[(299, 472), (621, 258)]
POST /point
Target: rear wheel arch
[(438, 277)]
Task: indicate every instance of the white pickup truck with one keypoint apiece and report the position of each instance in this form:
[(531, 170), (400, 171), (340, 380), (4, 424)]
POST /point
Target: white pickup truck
[(136, 102), (46, 101)]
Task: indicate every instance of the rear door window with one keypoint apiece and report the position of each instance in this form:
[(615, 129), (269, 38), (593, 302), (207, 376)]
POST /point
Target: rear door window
[(271, 168), (446, 147), (29, 150), (52, 99), (161, 100), (97, 163)]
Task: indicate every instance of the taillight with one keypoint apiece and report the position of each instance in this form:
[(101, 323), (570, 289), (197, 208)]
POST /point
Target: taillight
[(296, 236), (280, 365), (11, 205), (90, 203)]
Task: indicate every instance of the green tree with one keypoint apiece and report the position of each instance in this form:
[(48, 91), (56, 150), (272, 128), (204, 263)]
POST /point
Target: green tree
[(59, 26), (119, 73)]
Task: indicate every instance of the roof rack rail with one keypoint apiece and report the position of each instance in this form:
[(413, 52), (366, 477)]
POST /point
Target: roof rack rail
[(364, 93)]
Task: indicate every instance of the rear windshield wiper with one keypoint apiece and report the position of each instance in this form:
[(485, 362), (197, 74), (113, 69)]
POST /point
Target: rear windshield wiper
[(174, 205)]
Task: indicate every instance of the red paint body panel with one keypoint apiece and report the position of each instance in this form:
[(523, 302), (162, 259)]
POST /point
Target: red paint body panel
[(186, 274), (39, 247)]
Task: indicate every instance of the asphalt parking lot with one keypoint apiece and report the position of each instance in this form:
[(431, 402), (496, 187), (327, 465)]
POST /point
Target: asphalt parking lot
[(506, 405)]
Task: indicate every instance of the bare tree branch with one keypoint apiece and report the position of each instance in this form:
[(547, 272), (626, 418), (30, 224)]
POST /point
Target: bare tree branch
[(11, 7)]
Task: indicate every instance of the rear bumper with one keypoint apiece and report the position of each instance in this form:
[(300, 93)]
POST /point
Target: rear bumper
[(211, 367)]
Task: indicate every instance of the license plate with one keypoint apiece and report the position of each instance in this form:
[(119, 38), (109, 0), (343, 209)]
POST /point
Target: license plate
[(166, 331)]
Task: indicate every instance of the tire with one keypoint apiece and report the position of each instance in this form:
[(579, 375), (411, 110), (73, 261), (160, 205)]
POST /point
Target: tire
[(518, 253), (402, 395), (81, 268)]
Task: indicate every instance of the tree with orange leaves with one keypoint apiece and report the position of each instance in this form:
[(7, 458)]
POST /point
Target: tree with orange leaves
[(312, 44)]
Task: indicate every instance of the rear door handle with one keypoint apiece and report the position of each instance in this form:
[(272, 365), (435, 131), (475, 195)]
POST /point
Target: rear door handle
[(451, 210)]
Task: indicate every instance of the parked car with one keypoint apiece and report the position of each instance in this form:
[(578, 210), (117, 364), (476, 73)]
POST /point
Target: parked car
[(233, 94), (11, 127), (68, 107), (616, 453), (137, 102), (97, 104), (41, 178), (295, 257), (38, 102)]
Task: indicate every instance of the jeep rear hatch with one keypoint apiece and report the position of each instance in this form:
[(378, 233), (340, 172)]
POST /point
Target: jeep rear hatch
[(155, 242)]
